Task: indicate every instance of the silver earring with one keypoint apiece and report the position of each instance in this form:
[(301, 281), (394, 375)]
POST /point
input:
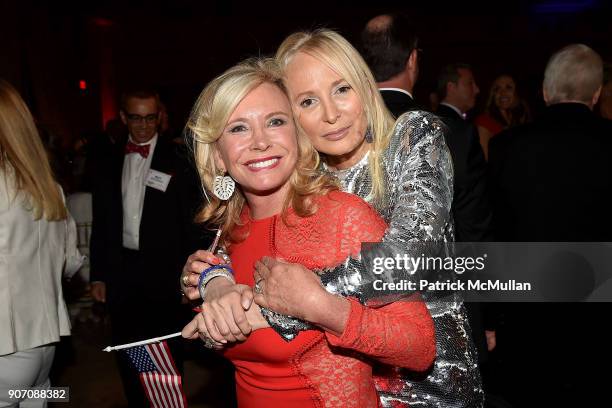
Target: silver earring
[(368, 135), (224, 187)]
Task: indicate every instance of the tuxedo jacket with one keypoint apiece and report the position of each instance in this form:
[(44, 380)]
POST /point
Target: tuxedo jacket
[(471, 208), (167, 232), (398, 102), (551, 180)]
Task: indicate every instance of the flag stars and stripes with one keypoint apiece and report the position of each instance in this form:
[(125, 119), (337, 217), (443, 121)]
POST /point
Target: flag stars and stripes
[(158, 374)]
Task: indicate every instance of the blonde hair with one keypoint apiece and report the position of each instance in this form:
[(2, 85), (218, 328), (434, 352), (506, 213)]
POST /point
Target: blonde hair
[(209, 117), (23, 155), (335, 51), (573, 73)]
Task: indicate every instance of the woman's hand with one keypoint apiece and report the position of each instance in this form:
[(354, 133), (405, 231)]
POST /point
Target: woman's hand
[(286, 288), (196, 263), (255, 318), (197, 328), (293, 290), (229, 318), (224, 312)]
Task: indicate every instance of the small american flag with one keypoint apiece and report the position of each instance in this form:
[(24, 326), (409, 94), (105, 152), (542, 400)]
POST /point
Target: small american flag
[(159, 377)]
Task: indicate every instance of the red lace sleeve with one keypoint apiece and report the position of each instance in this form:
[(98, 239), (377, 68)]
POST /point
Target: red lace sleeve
[(400, 333)]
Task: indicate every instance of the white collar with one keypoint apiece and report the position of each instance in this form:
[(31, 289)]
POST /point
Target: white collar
[(456, 109), (397, 90)]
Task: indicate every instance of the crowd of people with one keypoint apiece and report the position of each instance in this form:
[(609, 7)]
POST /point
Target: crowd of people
[(294, 161)]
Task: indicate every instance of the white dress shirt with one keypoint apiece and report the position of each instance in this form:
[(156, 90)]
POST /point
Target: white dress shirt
[(133, 178)]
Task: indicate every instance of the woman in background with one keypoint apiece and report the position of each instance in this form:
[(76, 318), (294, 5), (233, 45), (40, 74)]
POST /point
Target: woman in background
[(34, 224), (504, 109)]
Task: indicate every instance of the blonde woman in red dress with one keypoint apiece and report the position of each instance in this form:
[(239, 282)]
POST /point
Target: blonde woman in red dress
[(283, 207)]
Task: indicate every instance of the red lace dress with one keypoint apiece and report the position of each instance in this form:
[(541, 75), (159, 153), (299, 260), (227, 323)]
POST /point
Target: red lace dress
[(319, 369)]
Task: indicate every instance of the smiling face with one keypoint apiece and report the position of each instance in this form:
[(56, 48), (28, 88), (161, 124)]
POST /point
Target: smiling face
[(258, 145), (328, 109), (504, 92), (141, 116)]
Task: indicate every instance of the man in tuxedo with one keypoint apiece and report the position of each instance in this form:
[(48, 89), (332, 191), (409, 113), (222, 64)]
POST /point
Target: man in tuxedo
[(144, 201), (551, 181), (471, 209), (457, 90), (389, 46)]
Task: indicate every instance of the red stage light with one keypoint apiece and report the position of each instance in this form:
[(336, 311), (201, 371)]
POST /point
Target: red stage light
[(82, 85)]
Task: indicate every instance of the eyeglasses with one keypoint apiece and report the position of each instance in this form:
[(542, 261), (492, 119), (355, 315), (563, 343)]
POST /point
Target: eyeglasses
[(149, 119)]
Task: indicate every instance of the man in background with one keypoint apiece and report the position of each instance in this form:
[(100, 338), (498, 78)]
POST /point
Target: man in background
[(551, 182), (144, 200)]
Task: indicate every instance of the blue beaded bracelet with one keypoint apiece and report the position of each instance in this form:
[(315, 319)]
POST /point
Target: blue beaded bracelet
[(210, 270)]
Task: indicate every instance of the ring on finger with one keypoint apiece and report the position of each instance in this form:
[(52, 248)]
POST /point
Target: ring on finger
[(258, 287), (208, 342), (185, 280)]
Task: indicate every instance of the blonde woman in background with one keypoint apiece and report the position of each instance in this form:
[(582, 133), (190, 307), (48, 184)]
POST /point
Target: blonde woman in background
[(34, 225)]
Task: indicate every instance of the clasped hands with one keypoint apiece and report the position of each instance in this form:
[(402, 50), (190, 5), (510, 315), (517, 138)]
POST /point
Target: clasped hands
[(231, 312)]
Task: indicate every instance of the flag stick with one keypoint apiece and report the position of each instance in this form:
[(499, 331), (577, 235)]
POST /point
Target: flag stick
[(213, 246), (142, 343)]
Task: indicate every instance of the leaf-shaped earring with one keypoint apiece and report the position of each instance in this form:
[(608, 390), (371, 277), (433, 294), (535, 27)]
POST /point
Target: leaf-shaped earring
[(369, 138), (224, 187)]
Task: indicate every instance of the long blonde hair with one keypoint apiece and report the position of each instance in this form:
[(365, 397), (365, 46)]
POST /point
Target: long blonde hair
[(23, 155), (335, 51), (209, 117)]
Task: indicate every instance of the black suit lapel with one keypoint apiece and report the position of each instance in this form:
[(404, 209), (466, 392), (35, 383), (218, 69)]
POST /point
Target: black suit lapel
[(162, 161), (162, 157), (116, 195)]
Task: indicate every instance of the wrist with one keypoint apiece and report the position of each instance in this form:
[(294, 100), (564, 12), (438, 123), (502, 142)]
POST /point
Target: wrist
[(329, 312), (218, 282), (216, 285), (211, 273)]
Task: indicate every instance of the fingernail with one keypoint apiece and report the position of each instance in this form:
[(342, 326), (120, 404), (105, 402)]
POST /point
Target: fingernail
[(223, 341), (216, 261)]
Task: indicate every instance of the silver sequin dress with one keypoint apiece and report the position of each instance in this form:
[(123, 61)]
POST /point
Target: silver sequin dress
[(419, 184)]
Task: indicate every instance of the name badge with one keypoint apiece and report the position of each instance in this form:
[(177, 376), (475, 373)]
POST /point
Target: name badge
[(157, 180)]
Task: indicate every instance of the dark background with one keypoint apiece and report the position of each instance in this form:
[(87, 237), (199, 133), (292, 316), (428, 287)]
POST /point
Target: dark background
[(177, 46)]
